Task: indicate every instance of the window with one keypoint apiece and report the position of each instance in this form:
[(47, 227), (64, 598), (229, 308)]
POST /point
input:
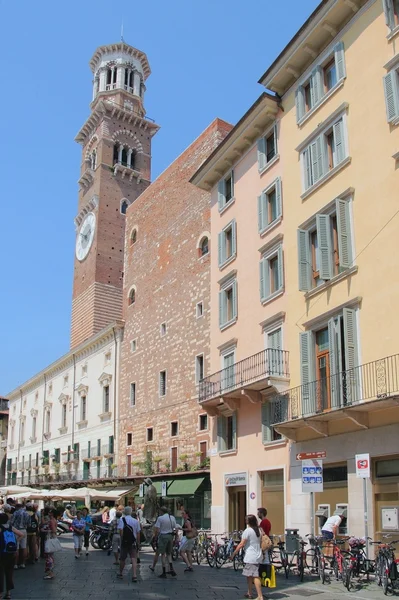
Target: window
[(391, 9), (269, 205), (173, 458), (163, 329), (204, 247), (132, 394), (329, 358), (124, 205), (105, 398), (98, 448), (271, 274), (322, 79), (199, 368), (203, 448), (132, 296), (162, 383), (129, 439), (47, 422), (22, 440), (133, 345), (107, 358), (83, 408), (63, 415), (174, 429), (326, 152), (227, 433), (66, 379), (325, 249), (84, 370), (226, 191), (203, 422), (273, 411), (228, 373), (227, 243), (267, 148), (133, 237), (199, 309), (150, 434), (275, 356), (228, 304), (129, 465), (391, 90), (50, 388)]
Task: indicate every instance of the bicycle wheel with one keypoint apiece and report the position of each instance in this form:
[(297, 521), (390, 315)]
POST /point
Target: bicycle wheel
[(343, 572), (301, 565), (378, 570), (385, 577), (347, 579), (105, 543), (238, 562), (200, 554), (284, 563), (220, 557), (322, 569), (210, 555), (311, 560)]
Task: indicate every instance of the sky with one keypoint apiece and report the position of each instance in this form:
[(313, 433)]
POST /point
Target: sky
[(206, 57)]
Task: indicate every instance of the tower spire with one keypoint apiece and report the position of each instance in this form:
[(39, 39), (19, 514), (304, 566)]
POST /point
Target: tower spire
[(122, 40)]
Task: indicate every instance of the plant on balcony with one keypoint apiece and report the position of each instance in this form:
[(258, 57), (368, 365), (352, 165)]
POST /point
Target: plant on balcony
[(148, 468), (114, 466), (183, 459), (205, 464), (180, 469), (157, 460), (167, 467)]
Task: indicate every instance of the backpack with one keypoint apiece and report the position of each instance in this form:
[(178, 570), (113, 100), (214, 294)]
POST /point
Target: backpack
[(8, 541), (265, 541), (33, 525), (128, 537)]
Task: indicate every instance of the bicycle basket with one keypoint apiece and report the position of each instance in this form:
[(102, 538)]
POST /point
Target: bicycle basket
[(357, 543)]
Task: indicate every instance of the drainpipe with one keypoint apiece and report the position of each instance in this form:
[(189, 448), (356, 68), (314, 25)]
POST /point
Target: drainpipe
[(19, 429), (115, 390), (73, 403), (44, 412)]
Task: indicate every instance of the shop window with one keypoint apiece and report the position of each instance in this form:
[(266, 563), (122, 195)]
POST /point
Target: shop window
[(387, 468)]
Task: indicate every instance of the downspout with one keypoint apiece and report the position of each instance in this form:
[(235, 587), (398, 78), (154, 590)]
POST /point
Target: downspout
[(44, 411), (115, 389), (19, 428), (73, 403)]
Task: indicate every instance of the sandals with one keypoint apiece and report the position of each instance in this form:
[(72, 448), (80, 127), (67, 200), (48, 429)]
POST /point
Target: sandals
[(188, 569), (248, 596), (134, 579)]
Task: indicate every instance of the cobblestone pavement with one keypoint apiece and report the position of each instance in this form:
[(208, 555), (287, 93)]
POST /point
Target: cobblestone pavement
[(95, 577)]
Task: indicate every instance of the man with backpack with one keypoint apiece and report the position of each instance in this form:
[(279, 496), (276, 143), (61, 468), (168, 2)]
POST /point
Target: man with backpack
[(32, 530), (20, 520), (8, 550), (129, 529)]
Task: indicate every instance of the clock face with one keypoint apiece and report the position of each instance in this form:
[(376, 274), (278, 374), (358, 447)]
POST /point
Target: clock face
[(85, 236)]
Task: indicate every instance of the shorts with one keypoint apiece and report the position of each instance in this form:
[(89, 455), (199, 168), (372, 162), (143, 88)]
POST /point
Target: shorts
[(250, 570), (327, 535), (187, 544), (116, 542), (77, 541), (21, 543), (165, 542), (127, 551)]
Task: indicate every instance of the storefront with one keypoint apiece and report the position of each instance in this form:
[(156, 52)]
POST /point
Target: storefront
[(236, 490), (273, 498)]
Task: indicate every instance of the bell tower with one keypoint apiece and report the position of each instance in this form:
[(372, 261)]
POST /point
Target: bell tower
[(115, 170)]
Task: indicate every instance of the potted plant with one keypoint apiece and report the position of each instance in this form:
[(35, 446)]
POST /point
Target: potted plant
[(183, 460), (113, 467), (56, 467), (157, 460), (167, 467)]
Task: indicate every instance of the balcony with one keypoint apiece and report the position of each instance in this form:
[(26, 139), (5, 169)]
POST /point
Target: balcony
[(126, 170), (104, 473), (107, 450), (268, 368), (360, 398)]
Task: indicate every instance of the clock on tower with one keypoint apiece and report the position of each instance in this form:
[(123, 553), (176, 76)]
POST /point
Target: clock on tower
[(115, 169)]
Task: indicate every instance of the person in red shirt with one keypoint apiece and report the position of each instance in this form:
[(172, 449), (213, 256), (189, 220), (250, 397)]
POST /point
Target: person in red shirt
[(264, 523)]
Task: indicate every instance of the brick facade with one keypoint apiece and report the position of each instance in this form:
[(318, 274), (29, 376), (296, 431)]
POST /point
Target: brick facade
[(170, 278)]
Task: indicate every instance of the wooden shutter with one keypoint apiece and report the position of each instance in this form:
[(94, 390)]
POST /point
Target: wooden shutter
[(233, 237), (234, 430), (351, 354), (300, 103), (334, 358), (316, 85), (262, 212), (221, 194), (221, 433), (323, 225), (266, 429), (317, 159), (304, 261), (307, 167), (344, 234), (261, 154), (391, 85), (278, 197), (221, 249), (338, 129), (234, 290), (339, 57), (389, 14), (264, 281), (306, 345), (222, 308), (280, 268)]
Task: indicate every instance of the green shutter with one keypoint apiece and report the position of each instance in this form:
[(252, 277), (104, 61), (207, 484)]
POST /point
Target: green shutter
[(221, 252), (351, 354), (344, 234), (317, 159), (334, 363), (261, 154), (264, 282), (339, 57), (323, 225), (233, 237), (306, 342), (221, 433), (222, 308), (316, 85), (278, 197), (234, 288), (280, 267), (232, 183), (304, 264), (266, 429), (275, 138), (221, 194), (300, 103), (391, 89), (338, 129), (307, 167), (262, 212), (389, 14), (234, 432)]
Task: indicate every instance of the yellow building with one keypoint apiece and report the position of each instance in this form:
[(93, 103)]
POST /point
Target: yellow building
[(305, 218)]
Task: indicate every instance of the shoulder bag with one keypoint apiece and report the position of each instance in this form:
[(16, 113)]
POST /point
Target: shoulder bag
[(265, 542)]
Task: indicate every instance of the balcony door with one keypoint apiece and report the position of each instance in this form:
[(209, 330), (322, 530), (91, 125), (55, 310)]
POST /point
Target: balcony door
[(228, 375), (323, 391), (274, 346)]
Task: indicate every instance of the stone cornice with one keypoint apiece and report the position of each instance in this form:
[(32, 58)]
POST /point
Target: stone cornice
[(91, 205), (123, 49)]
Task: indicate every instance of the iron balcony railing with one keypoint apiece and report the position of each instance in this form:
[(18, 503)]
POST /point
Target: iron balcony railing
[(267, 363), (85, 475), (374, 380)]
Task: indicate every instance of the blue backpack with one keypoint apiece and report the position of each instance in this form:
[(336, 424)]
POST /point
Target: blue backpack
[(9, 541)]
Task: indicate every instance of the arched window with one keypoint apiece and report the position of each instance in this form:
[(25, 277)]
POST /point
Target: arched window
[(124, 156), (124, 206), (133, 237), (132, 159), (109, 76), (131, 78), (132, 296), (204, 246), (116, 153)]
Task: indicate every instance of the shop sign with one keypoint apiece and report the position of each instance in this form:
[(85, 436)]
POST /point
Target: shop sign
[(362, 465), (236, 479), (312, 475), (306, 455)]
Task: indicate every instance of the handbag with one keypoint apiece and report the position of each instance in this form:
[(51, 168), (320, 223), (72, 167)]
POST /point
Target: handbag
[(193, 533), (52, 545), (265, 542)]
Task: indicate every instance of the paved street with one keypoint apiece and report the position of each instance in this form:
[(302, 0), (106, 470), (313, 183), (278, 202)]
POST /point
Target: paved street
[(95, 577)]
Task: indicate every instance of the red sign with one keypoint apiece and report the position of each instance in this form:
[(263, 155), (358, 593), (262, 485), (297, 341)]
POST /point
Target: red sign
[(309, 455)]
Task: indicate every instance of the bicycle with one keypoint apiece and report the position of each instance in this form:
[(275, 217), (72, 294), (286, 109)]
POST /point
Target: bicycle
[(298, 560), (386, 565), (338, 562), (211, 550), (226, 549), (315, 561), (202, 542), (238, 560), (358, 563), (278, 555)]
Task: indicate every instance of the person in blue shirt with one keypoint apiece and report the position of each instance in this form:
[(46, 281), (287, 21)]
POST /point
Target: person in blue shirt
[(89, 525), (78, 527)]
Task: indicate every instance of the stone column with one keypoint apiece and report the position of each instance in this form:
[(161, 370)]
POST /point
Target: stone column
[(120, 150), (103, 80), (129, 157), (120, 77), (136, 84)]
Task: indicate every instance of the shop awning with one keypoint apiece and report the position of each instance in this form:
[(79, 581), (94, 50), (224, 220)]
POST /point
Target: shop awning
[(184, 487)]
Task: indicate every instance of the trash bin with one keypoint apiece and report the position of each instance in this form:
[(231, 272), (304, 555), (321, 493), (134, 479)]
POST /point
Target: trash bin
[(291, 540)]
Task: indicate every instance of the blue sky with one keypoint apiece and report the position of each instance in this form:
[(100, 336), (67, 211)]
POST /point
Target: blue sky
[(206, 57)]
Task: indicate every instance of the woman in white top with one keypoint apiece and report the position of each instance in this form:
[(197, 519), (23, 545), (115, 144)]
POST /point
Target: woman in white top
[(251, 542)]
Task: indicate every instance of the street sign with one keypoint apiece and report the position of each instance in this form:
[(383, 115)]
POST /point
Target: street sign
[(164, 489), (306, 455), (362, 465), (312, 475)]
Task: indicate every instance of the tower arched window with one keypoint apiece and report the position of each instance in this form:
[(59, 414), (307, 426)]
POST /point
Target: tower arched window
[(132, 296), (124, 156), (124, 206), (111, 78), (204, 246), (116, 153)]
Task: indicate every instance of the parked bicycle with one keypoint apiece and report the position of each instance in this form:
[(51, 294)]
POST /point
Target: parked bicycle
[(358, 564), (226, 549), (386, 565), (278, 556)]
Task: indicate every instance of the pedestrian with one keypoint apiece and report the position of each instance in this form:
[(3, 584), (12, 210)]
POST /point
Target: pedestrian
[(251, 542), (115, 536), (67, 515), (8, 551), (264, 524), (89, 524), (112, 513), (49, 528), (154, 544), (331, 526), (105, 515), (188, 540), (165, 531), (140, 513), (20, 520), (129, 529), (78, 528), (31, 531)]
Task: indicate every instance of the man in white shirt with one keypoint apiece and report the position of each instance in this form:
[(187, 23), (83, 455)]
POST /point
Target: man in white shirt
[(112, 514), (130, 536), (330, 527), (165, 530)]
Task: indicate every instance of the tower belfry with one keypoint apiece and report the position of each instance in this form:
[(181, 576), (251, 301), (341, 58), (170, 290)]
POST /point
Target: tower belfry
[(115, 170)]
